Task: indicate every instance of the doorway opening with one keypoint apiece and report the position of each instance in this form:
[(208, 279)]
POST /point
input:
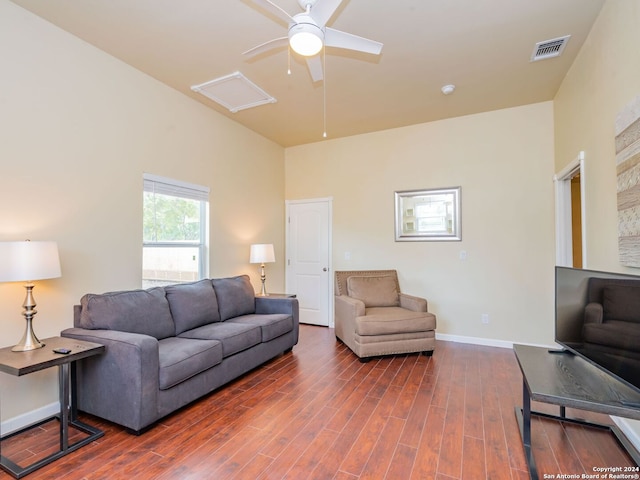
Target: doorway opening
[(571, 248)]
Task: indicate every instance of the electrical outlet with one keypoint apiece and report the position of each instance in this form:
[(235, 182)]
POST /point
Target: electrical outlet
[(485, 318)]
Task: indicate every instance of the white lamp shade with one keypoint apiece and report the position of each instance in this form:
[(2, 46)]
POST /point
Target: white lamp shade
[(262, 253), (27, 261)]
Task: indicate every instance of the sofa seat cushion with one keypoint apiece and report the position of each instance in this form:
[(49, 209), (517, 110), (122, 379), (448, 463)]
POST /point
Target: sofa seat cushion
[(613, 333), (379, 291), (235, 337), (235, 296), (133, 311), (192, 304), (392, 320), (183, 358), (271, 325)]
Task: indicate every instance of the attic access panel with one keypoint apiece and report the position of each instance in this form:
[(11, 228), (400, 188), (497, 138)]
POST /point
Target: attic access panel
[(235, 92)]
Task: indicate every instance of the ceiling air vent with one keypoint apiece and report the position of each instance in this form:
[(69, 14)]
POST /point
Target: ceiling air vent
[(235, 92), (549, 48)]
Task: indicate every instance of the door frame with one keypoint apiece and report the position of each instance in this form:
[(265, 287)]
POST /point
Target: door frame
[(562, 181), (330, 277)]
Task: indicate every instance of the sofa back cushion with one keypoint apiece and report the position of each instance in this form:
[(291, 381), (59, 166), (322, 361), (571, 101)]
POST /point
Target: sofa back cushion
[(134, 311), (379, 291), (235, 296), (192, 304), (621, 302)]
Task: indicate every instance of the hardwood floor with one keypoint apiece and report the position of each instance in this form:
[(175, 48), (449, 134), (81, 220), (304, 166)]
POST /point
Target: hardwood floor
[(319, 413)]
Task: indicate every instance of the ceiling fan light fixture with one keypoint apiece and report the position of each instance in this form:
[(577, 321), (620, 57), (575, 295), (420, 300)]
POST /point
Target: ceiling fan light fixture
[(306, 39)]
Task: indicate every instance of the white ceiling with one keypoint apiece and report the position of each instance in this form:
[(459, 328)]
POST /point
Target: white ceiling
[(481, 46)]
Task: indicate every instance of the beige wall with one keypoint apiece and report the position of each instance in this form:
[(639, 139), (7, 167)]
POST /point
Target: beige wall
[(603, 79), (503, 161), (78, 129)]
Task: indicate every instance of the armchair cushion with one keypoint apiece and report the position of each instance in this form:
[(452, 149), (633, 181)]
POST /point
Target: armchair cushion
[(621, 302), (374, 291), (390, 320)]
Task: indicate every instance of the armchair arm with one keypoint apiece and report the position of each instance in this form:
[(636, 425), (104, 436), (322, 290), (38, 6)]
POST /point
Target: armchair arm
[(415, 304), (593, 313), (347, 309), (122, 384)]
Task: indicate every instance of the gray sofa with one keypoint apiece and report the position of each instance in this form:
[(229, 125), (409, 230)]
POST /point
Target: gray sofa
[(168, 346)]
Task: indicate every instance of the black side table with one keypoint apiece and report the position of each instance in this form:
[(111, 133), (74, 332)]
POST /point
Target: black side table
[(23, 363)]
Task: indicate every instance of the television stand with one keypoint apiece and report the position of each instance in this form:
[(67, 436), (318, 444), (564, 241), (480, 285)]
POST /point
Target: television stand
[(570, 381)]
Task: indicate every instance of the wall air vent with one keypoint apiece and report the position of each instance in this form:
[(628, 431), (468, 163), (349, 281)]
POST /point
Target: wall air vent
[(235, 92), (549, 48)]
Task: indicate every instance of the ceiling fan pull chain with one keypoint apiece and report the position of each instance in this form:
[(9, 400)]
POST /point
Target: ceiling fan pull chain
[(324, 92), (288, 60)]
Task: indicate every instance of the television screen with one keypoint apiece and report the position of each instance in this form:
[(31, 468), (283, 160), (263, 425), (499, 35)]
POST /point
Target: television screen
[(598, 317)]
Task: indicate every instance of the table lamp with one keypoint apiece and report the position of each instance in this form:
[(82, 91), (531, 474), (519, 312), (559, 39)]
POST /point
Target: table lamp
[(25, 262), (262, 253)]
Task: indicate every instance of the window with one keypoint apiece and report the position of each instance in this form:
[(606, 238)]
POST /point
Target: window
[(175, 226)]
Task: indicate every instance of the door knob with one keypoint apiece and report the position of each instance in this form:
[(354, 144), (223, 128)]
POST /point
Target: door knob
[(324, 269)]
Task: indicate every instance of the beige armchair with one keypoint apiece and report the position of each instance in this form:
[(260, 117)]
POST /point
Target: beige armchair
[(373, 318)]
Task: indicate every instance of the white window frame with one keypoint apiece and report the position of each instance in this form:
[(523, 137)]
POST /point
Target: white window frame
[(176, 188)]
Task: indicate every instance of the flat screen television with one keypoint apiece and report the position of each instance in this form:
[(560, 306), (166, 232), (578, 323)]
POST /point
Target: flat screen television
[(612, 346)]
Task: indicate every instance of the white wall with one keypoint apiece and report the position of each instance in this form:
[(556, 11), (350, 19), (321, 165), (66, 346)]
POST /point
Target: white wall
[(77, 130), (503, 161)]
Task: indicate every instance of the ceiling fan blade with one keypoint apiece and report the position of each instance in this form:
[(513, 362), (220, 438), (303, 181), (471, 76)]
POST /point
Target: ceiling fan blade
[(275, 10), (336, 38), (323, 10), (266, 46), (315, 68)]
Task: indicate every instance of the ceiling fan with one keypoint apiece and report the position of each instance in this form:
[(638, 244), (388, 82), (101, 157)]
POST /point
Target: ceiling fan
[(308, 33)]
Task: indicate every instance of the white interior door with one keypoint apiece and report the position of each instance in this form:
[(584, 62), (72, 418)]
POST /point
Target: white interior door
[(308, 258)]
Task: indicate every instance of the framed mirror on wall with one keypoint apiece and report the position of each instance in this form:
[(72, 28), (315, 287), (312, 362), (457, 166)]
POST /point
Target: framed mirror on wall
[(429, 215)]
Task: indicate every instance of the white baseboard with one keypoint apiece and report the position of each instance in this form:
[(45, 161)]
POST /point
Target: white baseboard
[(487, 342), (630, 429), (29, 418)]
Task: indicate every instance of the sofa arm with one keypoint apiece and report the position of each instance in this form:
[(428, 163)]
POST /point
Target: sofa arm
[(268, 305), (122, 384), (415, 304), (593, 313)]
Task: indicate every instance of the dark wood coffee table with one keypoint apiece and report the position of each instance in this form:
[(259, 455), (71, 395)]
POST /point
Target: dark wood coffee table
[(568, 380)]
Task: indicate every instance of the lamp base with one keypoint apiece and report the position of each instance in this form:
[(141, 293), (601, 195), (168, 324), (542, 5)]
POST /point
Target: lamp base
[(263, 279), (29, 340)]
